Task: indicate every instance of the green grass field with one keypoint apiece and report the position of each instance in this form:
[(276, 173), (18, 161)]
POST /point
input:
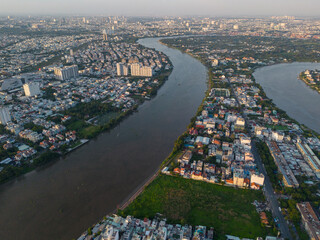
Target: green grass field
[(185, 201), (278, 127), (89, 132), (105, 118)]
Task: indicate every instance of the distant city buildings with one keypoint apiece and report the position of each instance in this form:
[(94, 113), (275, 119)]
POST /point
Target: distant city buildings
[(66, 73), (98, 61), (104, 35), (31, 89), (4, 116)]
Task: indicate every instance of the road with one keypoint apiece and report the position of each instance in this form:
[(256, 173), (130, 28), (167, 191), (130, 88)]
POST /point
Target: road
[(268, 190), (270, 196)]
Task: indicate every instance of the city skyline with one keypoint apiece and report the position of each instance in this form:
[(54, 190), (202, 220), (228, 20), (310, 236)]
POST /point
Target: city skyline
[(185, 127), (162, 7)]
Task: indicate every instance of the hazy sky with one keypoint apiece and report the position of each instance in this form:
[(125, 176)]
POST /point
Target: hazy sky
[(163, 7)]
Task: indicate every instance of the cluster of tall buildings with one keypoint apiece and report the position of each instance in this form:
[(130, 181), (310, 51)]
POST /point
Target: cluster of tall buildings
[(136, 69), (67, 72)]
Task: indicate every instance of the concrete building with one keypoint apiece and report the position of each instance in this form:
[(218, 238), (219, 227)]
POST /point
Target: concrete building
[(4, 115), (146, 71), (289, 179), (143, 71), (11, 83), (31, 89), (110, 233), (240, 123), (258, 130), (309, 156), (104, 35), (122, 70), (238, 177), (277, 136), (135, 69), (67, 72), (258, 179), (310, 220)]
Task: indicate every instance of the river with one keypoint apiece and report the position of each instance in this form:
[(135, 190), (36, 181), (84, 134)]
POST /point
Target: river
[(64, 198), (289, 93)]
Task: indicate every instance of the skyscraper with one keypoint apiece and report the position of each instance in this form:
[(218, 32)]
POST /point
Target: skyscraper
[(135, 69), (104, 34), (31, 89), (67, 72), (144, 71), (122, 70), (4, 115)]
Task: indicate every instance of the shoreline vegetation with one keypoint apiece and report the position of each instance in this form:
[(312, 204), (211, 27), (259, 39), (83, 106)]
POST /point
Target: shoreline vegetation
[(87, 130)]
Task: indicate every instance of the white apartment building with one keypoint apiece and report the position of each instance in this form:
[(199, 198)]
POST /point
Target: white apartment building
[(258, 179)]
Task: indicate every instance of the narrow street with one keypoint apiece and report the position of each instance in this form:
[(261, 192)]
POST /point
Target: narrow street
[(271, 197)]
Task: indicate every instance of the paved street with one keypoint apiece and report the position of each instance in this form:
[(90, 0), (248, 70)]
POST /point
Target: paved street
[(268, 190), (271, 197)]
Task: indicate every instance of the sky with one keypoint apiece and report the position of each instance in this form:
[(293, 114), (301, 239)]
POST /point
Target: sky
[(162, 7)]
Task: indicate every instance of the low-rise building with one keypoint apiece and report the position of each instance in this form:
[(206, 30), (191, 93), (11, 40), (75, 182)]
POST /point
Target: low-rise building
[(310, 220)]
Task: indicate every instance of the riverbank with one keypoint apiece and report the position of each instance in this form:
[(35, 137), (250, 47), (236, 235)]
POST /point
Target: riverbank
[(292, 94), (95, 178), (176, 149), (311, 79), (90, 132)]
